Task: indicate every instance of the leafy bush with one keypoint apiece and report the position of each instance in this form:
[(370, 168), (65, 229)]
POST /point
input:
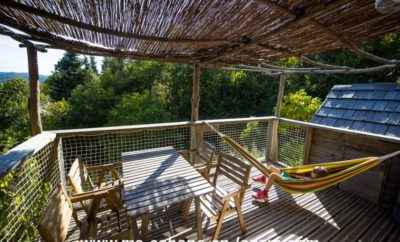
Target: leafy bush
[(17, 206), (300, 106), (14, 119), (139, 108)]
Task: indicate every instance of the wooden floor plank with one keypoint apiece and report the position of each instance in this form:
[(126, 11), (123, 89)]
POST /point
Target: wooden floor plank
[(295, 217), (327, 215), (328, 231), (357, 227), (309, 222)]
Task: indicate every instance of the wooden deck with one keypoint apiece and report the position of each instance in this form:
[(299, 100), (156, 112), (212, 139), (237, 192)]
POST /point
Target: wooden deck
[(330, 215)]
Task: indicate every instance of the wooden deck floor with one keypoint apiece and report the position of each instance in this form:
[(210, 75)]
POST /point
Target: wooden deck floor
[(330, 215)]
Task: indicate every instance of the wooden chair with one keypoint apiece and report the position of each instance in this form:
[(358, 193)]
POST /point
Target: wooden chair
[(221, 203), (205, 158), (55, 221), (91, 198), (53, 226)]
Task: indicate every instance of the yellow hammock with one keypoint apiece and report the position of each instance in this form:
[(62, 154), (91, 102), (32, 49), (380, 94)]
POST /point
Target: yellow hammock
[(337, 171)]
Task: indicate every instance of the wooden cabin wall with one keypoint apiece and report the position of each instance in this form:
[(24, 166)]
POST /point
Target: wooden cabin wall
[(380, 185)]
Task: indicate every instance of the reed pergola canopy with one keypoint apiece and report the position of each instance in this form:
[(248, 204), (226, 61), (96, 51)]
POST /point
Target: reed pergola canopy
[(212, 32)]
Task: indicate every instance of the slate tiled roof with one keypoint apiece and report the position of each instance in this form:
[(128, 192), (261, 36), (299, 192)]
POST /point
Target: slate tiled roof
[(373, 108)]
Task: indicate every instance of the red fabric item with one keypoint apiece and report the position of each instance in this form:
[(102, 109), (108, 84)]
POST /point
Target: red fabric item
[(261, 196), (260, 179)]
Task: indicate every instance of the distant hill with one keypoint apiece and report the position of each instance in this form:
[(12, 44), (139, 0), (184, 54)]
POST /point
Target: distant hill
[(5, 76)]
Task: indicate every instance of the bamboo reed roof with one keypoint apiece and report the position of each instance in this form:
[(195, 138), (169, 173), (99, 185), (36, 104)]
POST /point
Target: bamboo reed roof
[(210, 31)]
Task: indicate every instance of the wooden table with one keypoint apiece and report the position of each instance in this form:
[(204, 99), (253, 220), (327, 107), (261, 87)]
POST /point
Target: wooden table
[(156, 178)]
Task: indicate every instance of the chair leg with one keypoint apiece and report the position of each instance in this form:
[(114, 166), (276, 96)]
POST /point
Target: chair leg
[(185, 209), (133, 228), (242, 223), (220, 220), (119, 221), (199, 224)]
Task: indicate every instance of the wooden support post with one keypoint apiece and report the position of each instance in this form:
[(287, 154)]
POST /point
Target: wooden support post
[(307, 144), (273, 125), (34, 99), (195, 110)]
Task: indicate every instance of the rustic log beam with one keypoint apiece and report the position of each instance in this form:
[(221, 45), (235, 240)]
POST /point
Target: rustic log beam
[(98, 29), (322, 65), (34, 99), (270, 71), (23, 39), (195, 111)]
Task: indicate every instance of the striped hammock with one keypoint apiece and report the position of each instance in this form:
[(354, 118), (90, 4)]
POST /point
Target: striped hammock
[(338, 171)]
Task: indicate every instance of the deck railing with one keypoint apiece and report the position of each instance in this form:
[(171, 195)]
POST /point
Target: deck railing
[(31, 170)]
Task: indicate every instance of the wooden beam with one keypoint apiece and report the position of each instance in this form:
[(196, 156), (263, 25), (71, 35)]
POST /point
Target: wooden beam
[(34, 99), (195, 110), (274, 72)]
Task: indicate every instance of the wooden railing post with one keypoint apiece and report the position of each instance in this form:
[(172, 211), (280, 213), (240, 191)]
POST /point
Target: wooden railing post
[(272, 144), (34, 98), (307, 144), (195, 111)]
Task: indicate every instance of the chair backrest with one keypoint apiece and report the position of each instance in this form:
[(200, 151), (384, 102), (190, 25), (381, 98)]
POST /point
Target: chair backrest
[(234, 169), (206, 151), (77, 176), (53, 226)]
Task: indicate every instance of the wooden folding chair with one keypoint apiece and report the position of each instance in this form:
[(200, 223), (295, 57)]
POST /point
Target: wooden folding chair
[(205, 158), (220, 203), (78, 177)]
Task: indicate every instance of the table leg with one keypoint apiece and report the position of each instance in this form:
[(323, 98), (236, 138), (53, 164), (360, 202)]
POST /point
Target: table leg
[(133, 228), (145, 225), (198, 219)]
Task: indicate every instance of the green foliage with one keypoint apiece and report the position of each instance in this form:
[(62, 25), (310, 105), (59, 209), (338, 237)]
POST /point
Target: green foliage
[(299, 106), (13, 202), (14, 119), (56, 114), (90, 104), (139, 108), (69, 72), (292, 151), (127, 76), (247, 137)]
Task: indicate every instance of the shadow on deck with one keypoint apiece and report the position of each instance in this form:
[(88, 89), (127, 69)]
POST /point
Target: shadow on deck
[(329, 215)]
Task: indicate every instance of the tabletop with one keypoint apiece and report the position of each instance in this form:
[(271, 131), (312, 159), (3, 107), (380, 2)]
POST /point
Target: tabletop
[(156, 178)]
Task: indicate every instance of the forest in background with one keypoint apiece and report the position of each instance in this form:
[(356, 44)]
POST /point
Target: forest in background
[(125, 92)]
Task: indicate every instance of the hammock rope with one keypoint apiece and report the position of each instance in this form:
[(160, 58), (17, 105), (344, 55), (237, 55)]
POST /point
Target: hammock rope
[(298, 182)]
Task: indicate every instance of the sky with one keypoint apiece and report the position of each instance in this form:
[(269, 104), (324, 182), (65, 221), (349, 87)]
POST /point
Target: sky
[(14, 59)]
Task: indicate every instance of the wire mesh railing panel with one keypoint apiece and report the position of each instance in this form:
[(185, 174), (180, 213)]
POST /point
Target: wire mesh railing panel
[(104, 148), (252, 135), (291, 143), (24, 195)]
